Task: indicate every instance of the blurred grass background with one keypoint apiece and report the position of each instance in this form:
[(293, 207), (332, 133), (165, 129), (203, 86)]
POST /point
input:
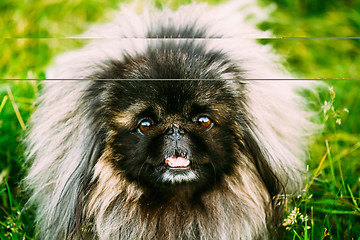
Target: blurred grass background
[(32, 34)]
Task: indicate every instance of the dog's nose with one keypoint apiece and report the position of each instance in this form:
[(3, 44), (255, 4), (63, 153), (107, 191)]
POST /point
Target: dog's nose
[(176, 132)]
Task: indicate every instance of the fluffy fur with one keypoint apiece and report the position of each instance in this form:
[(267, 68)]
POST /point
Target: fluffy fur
[(94, 175)]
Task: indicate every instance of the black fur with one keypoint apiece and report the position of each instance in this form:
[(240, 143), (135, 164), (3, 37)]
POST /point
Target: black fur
[(187, 59)]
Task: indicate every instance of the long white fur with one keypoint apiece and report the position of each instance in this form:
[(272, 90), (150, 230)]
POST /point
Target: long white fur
[(276, 110)]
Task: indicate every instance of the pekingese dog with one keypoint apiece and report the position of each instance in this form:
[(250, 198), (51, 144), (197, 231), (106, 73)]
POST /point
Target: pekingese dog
[(154, 156)]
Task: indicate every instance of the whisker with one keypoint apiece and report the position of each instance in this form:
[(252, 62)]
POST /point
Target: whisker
[(142, 165), (214, 171)]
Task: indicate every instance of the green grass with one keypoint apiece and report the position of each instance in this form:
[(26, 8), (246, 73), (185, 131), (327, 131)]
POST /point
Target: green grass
[(330, 201), (328, 208)]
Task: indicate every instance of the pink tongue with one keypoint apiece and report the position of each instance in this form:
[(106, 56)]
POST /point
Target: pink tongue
[(177, 162)]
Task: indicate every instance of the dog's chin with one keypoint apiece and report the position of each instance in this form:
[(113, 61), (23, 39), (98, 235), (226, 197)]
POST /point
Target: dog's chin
[(179, 176)]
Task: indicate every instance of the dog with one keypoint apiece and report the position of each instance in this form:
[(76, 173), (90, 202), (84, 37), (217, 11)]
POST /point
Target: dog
[(161, 128)]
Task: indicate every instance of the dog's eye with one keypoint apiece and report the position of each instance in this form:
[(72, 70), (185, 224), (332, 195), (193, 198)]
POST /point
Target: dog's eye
[(205, 122), (144, 125)]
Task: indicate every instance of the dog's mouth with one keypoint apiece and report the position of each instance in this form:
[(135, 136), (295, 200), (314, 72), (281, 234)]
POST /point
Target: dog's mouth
[(178, 169), (177, 163)]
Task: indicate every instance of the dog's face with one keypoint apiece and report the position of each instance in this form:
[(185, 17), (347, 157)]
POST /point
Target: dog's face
[(170, 133)]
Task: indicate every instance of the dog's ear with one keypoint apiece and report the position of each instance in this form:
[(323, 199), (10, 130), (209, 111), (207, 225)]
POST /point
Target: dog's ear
[(81, 178), (258, 156)]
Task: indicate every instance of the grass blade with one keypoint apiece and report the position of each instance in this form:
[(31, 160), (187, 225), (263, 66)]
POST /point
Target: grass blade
[(3, 103), (16, 109)]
